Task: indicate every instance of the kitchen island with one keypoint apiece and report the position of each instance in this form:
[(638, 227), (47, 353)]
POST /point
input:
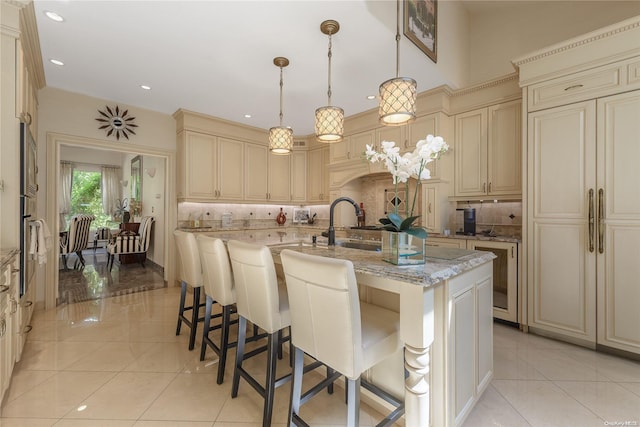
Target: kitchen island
[(446, 321), (446, 325)]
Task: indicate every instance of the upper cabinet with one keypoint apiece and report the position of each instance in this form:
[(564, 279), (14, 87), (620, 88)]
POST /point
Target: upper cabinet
[(488, 152), (209, 167), (318, 174), (299, 176)]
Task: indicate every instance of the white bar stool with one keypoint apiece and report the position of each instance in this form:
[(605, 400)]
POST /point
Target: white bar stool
[(219, 287), (332, 325), (190, 274), (262, 301)]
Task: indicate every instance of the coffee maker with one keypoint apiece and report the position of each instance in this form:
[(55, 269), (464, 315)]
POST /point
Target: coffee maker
[(469, 221)]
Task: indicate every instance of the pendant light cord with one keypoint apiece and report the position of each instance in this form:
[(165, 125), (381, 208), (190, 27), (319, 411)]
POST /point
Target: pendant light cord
[(397, 38), (281, 84), (329, 83)]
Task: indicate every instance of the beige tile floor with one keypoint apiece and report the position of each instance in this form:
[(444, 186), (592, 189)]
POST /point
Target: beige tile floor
[(116, 362)]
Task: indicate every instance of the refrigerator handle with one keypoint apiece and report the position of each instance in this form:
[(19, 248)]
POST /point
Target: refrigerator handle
[(601, 220), (591, 220)]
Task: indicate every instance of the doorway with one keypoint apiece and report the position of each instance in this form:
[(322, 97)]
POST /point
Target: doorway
[(164, 196)]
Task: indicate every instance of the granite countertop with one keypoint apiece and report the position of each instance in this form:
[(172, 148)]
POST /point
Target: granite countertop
[(434, 271), (477, 237), (6, 255), (209, 229)]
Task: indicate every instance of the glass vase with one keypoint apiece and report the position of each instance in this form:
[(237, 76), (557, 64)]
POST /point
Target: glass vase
[(400, 248)]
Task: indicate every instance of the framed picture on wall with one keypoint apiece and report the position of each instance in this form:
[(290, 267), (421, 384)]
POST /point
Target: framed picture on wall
[(421, 25)]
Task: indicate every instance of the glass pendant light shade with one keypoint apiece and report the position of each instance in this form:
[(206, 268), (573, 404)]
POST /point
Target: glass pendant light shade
[(398, 101), (280, 140), (280, 137), (398, 96), (329, 124), (329, 120)]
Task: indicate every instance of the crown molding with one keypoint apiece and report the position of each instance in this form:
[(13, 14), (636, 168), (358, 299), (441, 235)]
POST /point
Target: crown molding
[(513, 77), (31, 45)]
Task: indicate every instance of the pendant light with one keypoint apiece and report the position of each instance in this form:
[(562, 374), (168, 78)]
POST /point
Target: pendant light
[(398, 95), (329, 120), (280, 138)]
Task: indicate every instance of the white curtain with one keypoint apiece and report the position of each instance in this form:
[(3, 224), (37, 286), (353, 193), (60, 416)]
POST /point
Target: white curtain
[(111, 189), (66, 180)]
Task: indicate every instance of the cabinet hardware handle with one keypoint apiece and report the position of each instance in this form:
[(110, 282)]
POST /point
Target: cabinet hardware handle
[(27, 329), (15, 270), (484, 187), (3, 289), (578, 86), (489, 187), (601, 220), (429, 208), (512, 255), (28, 303), (591, 220), (3, 327)]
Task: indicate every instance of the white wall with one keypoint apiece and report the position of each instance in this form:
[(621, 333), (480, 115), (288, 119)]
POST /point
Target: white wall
[(514, 28)]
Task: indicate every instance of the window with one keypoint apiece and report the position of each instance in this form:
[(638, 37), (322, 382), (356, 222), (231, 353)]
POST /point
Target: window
[(86, 197)]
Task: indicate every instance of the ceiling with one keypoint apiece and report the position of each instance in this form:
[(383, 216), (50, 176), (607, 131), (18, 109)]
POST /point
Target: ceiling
[(216, 57)]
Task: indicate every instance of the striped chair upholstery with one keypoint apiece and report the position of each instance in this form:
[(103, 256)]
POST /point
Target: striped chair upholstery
[(77, 238), (102, 234), (131, 243)]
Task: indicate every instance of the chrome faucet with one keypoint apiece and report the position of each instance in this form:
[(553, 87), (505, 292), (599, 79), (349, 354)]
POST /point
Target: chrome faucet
[(332, 232)]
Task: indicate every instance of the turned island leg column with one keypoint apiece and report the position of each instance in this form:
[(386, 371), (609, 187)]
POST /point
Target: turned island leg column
[(417, 332)]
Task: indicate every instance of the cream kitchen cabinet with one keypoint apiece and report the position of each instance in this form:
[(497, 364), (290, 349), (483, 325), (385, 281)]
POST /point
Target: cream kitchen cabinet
[(318, 176), (299, 176), (267, 176), (209, 168), (9, 324), (26, 99), (435, 206), (352, 148), (584, 221), (488, 152), (446, 242)]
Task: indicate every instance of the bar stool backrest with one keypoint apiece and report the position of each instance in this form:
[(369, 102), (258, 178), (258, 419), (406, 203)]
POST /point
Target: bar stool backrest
[(325, 310), (216, 270), (256, 285), (190, 269)]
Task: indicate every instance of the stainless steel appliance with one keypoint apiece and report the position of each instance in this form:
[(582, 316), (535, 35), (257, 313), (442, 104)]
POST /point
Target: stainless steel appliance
[(28, 189)]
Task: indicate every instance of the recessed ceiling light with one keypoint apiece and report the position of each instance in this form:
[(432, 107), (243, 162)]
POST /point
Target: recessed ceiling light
[(247, 116), (371, 97), (145, 87), (54, 16), (56, 62)]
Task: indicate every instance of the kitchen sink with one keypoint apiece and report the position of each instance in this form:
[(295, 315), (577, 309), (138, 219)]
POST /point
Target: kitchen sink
[(365, 246)]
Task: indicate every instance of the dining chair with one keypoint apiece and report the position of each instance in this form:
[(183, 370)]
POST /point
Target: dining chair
[(77, 238), (127, 242), (332, 325)]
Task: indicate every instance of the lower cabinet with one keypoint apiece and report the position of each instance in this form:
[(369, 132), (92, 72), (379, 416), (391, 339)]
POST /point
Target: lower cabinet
[(10, 344)]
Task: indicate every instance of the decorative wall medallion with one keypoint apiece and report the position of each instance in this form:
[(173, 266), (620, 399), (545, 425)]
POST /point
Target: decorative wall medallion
[(117, 122)]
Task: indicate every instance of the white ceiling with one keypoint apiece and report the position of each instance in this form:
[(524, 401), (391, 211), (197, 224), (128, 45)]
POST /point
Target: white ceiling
[(216, 57)]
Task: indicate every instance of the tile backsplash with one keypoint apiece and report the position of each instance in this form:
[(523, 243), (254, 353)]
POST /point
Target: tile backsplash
[(501, 218), (244, 215)]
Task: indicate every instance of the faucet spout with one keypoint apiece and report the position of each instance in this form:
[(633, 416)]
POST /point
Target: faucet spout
[(332, 231)]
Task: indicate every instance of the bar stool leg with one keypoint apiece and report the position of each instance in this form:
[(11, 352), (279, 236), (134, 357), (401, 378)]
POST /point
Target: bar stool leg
[(183, 296), (242, 336), (353, 407), (273, 346), (296, 385), (195, 311), (207, 323), (224, 342)]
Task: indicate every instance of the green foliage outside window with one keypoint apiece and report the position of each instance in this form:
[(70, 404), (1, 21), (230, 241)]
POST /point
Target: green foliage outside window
[(86, 197)]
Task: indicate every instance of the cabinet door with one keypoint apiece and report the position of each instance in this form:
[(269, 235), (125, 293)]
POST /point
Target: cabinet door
[(316, 175), (198, 166), (358, 145), (504, 151), (255, 179), (279, 178), (618, 177), (230, 164), (339, 151), (471, 153), (429, 194), (299, 176), (423, 126), (561, 274)]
